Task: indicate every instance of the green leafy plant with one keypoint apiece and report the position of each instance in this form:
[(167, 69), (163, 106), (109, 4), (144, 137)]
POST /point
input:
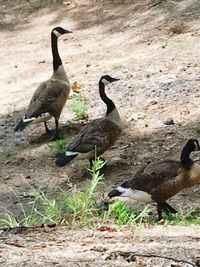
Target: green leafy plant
[(49, 212), (58, 146), (83, 204), (184, 217), (123, 215), (9, 221), (79, 106)]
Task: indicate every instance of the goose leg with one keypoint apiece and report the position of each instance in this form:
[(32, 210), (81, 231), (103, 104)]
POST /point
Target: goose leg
[(159, 210), (56, 136), (169, 208), (91, 163), (46, 128)]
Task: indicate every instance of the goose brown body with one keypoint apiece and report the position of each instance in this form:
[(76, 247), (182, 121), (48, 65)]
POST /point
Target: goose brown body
[(51, 97), (101, 133), (161, 180), (164, 179)]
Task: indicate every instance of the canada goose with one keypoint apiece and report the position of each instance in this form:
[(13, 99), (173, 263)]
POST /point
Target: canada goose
[(50, 97), (163, 179), (100, 133)]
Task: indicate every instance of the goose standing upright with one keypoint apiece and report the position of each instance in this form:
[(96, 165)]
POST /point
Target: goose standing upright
[(163, 179), (51, 96), (100, 133)]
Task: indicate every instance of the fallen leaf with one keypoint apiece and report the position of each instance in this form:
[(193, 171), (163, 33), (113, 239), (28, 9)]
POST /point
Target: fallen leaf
[(106, 228), (76, 87)]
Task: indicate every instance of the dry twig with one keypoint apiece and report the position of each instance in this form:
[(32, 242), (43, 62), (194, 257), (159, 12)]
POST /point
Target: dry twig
[(129, 255)]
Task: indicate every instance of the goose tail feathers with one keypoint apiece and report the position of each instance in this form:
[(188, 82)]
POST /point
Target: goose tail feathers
[(23, 124), (65, 158)]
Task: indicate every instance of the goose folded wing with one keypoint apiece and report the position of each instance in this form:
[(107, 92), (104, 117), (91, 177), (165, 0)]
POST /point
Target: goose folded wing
[(44, 99), (40, 91), (154, 176), (99, 133)]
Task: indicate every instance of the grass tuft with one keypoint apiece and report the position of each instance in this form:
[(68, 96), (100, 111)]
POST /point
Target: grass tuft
[(184, 217), (58, 146), (82, 205), (122, 215), (79, 106)]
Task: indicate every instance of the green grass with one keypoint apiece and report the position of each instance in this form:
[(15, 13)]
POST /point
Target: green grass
[(184, 217), (116, 66), (79, 106), (196, 131), (85, 208), (48, 213), (82, 206), (122, 215), (58, 146)]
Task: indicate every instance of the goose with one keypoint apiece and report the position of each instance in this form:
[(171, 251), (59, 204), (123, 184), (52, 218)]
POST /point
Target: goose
[(51, 96), (161, 180), (99, 135)]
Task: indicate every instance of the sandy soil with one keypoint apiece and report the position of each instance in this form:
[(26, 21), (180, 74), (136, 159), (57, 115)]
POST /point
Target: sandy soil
[(101, 247), (154, 49)]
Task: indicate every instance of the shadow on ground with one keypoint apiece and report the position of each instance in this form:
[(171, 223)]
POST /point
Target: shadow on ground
[(33, 164)]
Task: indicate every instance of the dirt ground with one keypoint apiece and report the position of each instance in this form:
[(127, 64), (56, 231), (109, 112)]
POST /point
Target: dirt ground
[(153, 47)]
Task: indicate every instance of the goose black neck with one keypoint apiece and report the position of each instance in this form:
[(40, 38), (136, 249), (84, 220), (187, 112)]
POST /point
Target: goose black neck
[(185, 157), (109, 103), (56, 57)]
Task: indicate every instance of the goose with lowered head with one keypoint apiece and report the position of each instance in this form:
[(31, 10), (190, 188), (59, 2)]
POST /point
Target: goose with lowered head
[(161, 180)]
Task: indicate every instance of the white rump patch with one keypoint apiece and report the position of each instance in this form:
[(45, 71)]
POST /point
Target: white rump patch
[(28, 119), (45, 114), (71, 153), (135, 194), (105, 82), (57, 33), (42, 118)]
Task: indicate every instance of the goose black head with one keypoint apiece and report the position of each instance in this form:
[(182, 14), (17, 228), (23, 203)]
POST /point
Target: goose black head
[(106, 79), (193, 145), (58, 31), (114, 193)]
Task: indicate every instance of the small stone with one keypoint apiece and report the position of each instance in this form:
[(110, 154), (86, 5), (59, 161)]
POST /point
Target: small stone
[(169, 121), (125, 71), (41, 61)]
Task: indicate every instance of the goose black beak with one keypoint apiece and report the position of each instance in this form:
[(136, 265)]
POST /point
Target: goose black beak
[(115, 79), (66, 31)]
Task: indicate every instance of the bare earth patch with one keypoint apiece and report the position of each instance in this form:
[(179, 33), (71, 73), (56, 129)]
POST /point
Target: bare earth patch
[(65, 247)]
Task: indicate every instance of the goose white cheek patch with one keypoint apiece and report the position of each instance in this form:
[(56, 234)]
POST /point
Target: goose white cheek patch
[(57, 33), (105, 82)]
